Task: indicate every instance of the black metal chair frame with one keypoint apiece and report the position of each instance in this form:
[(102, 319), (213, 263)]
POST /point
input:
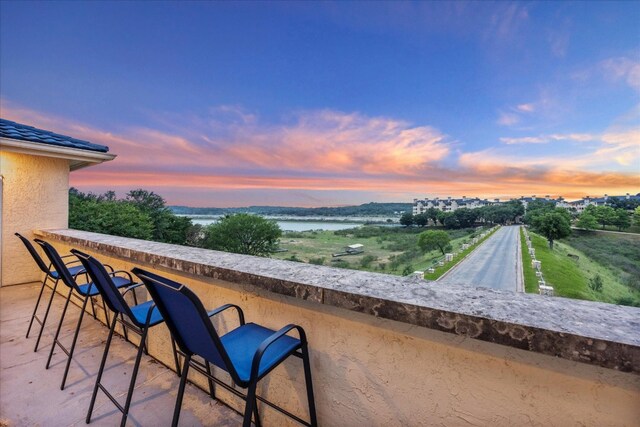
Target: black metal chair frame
[(251, 398), (48, 277), (141, 329), (70, 281)]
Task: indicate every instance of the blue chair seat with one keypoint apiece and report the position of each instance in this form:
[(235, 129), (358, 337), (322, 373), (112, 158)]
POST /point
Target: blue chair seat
[(91, 290), (141, 311), (73, 270), (243, 342)]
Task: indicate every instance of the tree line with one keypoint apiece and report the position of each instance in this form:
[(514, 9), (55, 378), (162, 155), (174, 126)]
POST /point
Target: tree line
[(143, 214), (464, 217), (366, 209), (555, 223)]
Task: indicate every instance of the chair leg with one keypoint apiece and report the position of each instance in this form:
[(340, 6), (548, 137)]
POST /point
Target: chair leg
[(175, 356), (248, 409), (212, 392), (309, 383), (124, 328), (183, 382), (46, 314), (255, 413), (132, 384), (73, 344), (35, 309), (101, 370), (55, 338), (93, 309), (106, 313)]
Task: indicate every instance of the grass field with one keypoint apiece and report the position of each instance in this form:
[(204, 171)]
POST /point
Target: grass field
[(570, 270), (633, 229), (391, 250), (530, 278)]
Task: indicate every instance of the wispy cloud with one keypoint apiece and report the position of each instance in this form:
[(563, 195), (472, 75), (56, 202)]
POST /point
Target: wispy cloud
[(526, 108), (545, 139), (507, 19), (622, 69), (508, 119)]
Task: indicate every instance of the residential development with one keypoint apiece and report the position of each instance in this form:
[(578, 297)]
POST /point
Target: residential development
[(450, 204)]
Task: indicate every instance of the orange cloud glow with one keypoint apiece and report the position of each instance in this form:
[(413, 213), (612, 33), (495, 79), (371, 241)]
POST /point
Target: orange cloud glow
[(332, 151)]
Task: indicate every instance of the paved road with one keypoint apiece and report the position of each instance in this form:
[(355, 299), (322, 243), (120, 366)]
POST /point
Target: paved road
[(495, 264)]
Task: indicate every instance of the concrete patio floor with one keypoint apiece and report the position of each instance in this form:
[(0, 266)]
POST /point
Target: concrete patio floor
[(30, 395)]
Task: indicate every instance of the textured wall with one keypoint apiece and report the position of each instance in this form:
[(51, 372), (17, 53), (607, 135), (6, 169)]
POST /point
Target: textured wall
[(373, 372), (34, 196)]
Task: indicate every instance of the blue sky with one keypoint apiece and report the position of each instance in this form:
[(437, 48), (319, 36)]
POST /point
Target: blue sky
[(300, 103)]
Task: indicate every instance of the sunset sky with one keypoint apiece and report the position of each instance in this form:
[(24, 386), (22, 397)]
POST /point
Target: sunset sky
[(325, 104)]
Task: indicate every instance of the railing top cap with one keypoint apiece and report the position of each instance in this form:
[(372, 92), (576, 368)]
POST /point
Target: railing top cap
[(602, 334)]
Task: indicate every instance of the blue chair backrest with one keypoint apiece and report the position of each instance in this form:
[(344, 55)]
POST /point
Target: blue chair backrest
[(34, 253), (187, 319), (101, 279), (58, 264)]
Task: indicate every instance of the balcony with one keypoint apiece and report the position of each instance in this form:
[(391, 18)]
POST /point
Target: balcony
[(384, 350), (30, 395)]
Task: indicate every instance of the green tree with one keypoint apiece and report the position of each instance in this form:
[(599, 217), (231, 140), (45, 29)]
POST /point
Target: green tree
[(587, 221), (243, 234), (113, 217), (451, 222), (622, 219), (465, 217), (147, 201), (553, 225), (441, 216), (605, 215), (406, 219), (433, 239), (636, 216), (421, 220), (167, 227)]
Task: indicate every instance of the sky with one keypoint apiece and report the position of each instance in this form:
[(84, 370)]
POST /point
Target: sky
[(333, 103)]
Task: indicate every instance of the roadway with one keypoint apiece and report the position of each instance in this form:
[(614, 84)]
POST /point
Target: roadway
[(496, 263)]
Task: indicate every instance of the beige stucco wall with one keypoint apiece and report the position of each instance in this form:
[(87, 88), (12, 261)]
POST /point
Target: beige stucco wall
[(35, 195), (373, 372)]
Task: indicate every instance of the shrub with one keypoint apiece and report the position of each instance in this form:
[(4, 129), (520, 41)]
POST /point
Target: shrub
[(408, 269), (367, 260), (340, 263), (595, 283)]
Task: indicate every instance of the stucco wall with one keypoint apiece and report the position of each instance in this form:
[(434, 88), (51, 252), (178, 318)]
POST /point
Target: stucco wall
[(34, 196), (373, 372)]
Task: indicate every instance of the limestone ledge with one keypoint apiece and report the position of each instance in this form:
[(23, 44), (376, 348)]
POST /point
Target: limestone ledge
[(600, 334)]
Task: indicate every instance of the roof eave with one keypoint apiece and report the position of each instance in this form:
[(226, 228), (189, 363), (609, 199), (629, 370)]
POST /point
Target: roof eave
[(78, 158)]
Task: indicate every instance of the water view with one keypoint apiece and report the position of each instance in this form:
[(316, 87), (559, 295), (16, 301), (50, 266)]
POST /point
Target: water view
[(294, 225)]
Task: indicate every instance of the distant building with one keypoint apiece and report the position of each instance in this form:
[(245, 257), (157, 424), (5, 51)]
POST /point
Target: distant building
[(581, 205), (450, 205)]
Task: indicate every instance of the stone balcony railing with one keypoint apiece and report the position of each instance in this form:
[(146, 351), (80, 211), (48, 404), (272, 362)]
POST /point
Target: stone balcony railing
[(387, 350)]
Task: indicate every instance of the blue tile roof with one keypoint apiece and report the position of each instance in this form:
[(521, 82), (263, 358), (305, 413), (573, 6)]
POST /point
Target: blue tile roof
[(13, 130)]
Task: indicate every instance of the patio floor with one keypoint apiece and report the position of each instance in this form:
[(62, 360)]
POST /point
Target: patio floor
[(31, 395)]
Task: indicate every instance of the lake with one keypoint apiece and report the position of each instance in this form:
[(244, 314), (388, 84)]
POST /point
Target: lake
[(295, 225)]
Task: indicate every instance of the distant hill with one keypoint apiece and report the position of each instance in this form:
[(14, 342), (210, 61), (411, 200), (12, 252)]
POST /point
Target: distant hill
[(367, 209)]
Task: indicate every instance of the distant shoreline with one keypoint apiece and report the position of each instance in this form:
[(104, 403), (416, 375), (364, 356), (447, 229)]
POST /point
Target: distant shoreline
[(377, 220)]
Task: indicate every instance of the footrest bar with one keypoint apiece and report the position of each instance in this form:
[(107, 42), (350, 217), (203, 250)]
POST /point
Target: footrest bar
[(59, 344), (111, 398), (196, 365)]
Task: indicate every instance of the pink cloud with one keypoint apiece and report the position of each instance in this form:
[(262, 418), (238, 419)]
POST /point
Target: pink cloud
[(331, 151)]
